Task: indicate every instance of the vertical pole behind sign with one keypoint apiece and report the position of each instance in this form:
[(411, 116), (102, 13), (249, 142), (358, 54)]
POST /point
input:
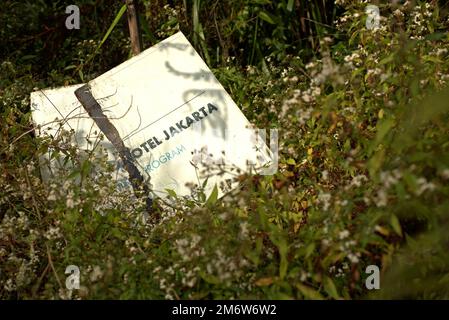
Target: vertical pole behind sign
[(133, 24)]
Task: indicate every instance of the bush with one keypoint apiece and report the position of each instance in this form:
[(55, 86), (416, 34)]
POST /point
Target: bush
[(362, 180)]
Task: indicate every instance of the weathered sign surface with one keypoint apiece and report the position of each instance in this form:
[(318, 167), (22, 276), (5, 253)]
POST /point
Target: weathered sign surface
[(179, 124)]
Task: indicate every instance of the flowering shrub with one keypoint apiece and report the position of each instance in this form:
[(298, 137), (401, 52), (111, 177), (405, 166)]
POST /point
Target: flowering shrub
[(362, 180)]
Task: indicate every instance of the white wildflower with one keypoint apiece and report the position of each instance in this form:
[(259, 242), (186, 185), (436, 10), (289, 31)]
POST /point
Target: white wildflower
[(343, 234)]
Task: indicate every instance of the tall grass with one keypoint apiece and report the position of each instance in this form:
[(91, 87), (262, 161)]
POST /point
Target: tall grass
[(250, 30)]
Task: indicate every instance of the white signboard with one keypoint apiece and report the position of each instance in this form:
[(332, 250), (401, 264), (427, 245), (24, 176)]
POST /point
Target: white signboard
[(177, 120)]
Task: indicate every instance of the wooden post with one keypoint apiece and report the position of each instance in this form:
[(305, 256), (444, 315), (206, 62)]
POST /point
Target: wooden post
[(133, 24)]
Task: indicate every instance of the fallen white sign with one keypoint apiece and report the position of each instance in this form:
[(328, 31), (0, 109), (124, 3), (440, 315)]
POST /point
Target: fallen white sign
[(177, 120)]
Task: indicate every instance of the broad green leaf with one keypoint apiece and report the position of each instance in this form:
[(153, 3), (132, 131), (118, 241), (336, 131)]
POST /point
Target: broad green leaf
[(309, 250), (209, 278), (290, 5), (266, 17), (330, 288), (171, 193), (308, 292), (395, 224), (213, 196), (382, 130), (388, 59)]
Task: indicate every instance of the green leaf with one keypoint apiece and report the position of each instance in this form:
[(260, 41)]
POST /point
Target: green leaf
[(283, 266), (171, 193), (209, 278), (213, 196), (394, 221), (382, 130), (28, 57), (432, 59), (308, 292), (85, 168), (330, 288), (74, 174), (106, 36), (266, 17), (80, 73), (388, 59), (290, 5), (70, 67), (436, 36), (205, 183), (112, 26), (309, 250)]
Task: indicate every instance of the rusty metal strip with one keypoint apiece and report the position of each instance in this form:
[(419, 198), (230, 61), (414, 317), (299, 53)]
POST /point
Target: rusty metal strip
[(93, 108)]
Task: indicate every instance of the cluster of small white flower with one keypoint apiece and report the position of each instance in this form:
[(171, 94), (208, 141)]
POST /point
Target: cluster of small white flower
[(170, 14), (442, 78), (65, 294), (304, 276), (353, 60), (423, 185), (343, 234), (270, 102), (357, 181), (205, 158), (325, 175), (22, 268), (398, 13), (347, 246), (419, 16), (444, 174), (330, 71), (381, 198), (96, 274), (373, 72), (190, 249), (190, 277), (70, 202), (339, 271), (324, 199), (298, 97), (244, 229), (341, 2), (289, 104), (130, 244), (438, 52), (10, 285), (225, 267), (164, 276), (304, 115), (53, 233), (354, 258), (390, 178)]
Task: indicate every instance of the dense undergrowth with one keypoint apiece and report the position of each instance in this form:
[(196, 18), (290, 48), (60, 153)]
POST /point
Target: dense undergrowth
[(363, 172)]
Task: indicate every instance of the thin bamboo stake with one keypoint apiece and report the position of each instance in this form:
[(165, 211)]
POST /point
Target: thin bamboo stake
[(133, 24)]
